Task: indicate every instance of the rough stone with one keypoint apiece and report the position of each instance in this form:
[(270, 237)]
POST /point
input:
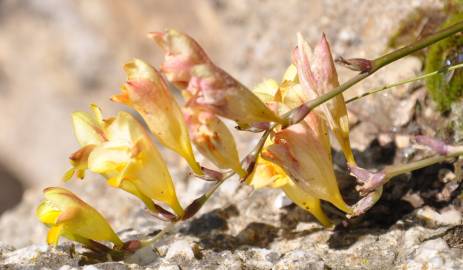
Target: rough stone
[(58, 56)]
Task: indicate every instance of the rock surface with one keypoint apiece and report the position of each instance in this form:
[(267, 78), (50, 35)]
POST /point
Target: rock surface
[(58, 56)]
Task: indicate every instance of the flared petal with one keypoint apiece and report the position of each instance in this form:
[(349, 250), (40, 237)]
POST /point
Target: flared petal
[(88, 128), (79, 162), (54, 234)]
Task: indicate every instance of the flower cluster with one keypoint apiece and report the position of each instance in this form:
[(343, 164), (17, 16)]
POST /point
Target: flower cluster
[(295, 158)]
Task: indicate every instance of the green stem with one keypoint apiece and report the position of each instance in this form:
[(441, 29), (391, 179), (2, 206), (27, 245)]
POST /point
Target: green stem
[(409, 80), (158, 236), (376, 64), (393, 171), (370, 181), (395, 55)]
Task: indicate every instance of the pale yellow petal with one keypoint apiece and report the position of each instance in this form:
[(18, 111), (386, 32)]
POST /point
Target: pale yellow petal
[(306, 201), (105, 158), (266, 90), (53, 235), (267, 174), (89, 129), (76, 217)]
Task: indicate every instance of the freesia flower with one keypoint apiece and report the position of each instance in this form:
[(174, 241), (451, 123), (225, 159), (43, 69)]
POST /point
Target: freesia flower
[(268, 174), (317, 75), (68, 216), (297, 159), (300, 150), (213, 139), (129, 160), (208, 86), (147, 93)]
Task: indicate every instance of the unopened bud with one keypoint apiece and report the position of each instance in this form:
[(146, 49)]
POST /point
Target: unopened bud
[(356, 64)]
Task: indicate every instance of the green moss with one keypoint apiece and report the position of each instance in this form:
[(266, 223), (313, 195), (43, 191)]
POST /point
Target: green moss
[(419, 23), (422, 22), (442, 90)]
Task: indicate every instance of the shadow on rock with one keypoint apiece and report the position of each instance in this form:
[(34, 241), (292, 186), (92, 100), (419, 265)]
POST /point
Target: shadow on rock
[(12, 190), (395, 203), (212, 229)]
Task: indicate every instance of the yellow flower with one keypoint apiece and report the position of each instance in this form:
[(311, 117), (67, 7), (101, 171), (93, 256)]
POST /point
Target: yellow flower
[(268, 174), (147, 93), (130, 161), (127, 158), (209, 87), (90, 131), (317, 75), (301, 151), (67, 215), (213, 139)]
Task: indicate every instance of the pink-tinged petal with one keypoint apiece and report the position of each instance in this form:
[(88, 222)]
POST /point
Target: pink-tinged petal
[(213, 139), (215, 91), (188, 67), (300, 150), (182, 53), (317, 74), (148, 94)]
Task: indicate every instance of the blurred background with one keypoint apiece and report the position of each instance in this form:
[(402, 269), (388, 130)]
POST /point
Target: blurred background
[(57, 57)]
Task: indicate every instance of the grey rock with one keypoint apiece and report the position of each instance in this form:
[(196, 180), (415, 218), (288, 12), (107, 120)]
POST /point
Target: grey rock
[(180, 248), (299, 259), (435, 254), (238, 228), (37, 257)]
